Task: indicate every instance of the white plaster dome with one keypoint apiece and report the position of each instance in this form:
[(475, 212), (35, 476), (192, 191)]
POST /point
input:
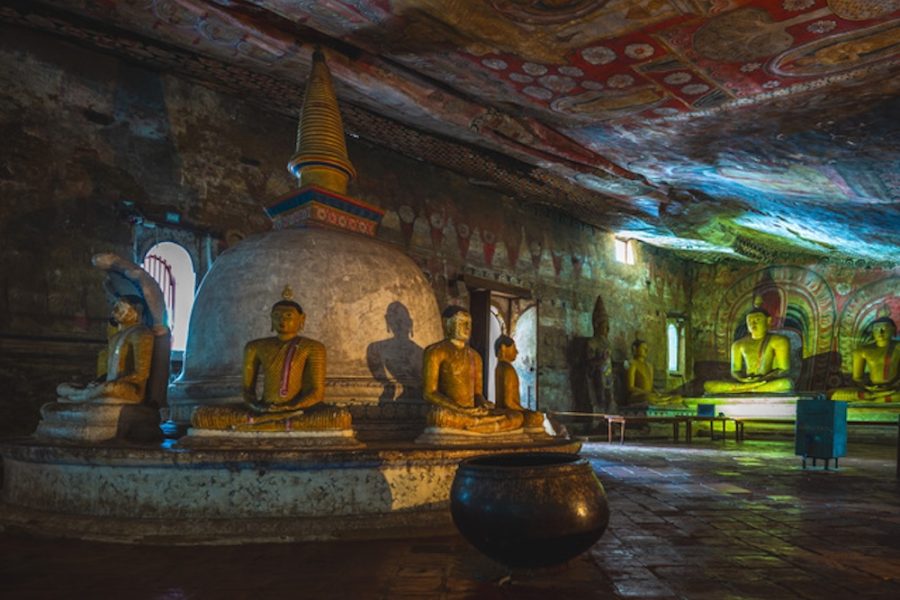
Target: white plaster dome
[(367, 302)]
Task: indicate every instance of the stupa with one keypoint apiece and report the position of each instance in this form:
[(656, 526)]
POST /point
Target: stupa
[(373, 310), (366, 301)]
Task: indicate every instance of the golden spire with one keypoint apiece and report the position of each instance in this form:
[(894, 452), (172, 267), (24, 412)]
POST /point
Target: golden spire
[(321, 155), (287, 293)]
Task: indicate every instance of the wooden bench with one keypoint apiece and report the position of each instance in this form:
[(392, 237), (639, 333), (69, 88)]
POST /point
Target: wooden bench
[(690, 420)]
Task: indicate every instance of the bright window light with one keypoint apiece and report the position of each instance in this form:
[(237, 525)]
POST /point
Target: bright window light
[(624, 251)]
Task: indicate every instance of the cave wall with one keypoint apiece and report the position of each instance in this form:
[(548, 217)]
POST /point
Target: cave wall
[(99, 155)]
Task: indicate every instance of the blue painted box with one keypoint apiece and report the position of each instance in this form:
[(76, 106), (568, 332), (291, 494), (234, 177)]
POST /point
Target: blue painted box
[(821, 429)]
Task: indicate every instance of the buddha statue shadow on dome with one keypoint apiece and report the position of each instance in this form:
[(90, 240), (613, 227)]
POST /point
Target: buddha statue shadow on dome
[(396, 362)]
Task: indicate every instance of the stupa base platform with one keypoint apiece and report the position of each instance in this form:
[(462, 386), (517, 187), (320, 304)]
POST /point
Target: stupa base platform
[(169, 495), (440, 436), (217, 438)]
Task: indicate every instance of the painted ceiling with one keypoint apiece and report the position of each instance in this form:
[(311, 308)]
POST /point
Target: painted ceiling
[(757, 130)]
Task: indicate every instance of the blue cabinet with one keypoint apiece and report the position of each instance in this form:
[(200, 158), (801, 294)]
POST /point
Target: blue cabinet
[(821, 430)]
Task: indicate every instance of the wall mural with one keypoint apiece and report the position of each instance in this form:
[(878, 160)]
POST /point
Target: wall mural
[(879, 298), (802, 306)]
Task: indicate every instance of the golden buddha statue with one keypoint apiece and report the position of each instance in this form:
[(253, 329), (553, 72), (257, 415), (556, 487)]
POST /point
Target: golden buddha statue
[(293, 369), (881, 359), (506, 384), (639, 379), (122, 376), (452, 382), (760, 361)]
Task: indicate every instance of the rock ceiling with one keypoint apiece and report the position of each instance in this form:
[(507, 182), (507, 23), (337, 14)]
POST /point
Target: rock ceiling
[(762, 130)]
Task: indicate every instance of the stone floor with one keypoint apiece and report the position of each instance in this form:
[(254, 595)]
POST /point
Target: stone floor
[(710, 520)]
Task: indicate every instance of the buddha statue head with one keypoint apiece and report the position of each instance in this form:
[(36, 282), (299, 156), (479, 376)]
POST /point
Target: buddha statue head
[(457, 324), (128, 310), (287, 316), (639, 349), (883, 330), (758, 322), (505, 349)]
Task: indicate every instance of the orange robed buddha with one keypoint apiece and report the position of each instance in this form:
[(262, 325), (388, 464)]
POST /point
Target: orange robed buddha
[(506, 383), (452, 382), (293, 370), (881, 360), (125, 367)]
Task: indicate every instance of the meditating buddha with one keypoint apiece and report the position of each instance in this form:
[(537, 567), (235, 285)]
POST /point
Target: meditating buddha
[(639, 380), (506, 384), (452, 383), (881, 360), (760, 361), (124, 373), (293, 370)]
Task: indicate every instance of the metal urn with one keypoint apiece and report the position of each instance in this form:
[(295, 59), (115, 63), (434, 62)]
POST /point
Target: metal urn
[(529, 510)]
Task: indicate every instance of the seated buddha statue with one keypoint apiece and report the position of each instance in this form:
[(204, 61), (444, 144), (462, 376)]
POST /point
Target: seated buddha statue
[(760, 361), (124, 373), (293, 371), (881, 360), (639, 380), (506, 384), (452, 383)]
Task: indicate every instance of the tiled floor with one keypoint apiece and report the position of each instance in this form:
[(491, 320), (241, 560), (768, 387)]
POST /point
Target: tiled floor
[(710, 520)]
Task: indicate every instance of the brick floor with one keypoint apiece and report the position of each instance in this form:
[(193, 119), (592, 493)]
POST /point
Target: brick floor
[(711, 520)]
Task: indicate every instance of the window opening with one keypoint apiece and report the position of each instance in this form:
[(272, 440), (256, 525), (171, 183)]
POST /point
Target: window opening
[(624, 251), (172, 268)]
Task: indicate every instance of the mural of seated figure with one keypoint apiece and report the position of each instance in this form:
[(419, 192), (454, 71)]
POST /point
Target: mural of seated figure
[(506, 385), (760, 361), (881, 360), (452, 384), (293, 371)]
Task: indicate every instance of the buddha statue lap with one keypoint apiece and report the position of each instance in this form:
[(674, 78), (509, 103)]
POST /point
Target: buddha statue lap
[(293, 370), (881, 360), (760, 361), (639, 381), (123, 378), (506, 385), (452, 384)]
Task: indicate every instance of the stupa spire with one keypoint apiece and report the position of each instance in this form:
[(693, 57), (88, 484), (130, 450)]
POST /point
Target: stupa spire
[(320, 157)]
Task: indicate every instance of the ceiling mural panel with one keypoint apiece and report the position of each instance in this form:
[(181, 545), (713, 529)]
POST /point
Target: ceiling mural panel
[(711, 126)]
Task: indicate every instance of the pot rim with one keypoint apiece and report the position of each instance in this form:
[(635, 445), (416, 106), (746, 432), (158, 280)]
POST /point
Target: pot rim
[(564, 463)]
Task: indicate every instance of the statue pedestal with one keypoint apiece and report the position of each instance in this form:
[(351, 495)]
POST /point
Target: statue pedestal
[(87, 422), (443, 436), (169, 494), (337, 439), (764, 406)]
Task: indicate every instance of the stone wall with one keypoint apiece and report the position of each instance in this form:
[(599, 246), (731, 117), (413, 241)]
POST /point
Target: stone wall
[(96, 152)]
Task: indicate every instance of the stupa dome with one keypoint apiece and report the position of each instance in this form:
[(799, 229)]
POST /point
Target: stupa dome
[(367, 302)]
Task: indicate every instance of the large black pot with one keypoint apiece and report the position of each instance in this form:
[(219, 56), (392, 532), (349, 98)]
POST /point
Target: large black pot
[(529, 510)]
